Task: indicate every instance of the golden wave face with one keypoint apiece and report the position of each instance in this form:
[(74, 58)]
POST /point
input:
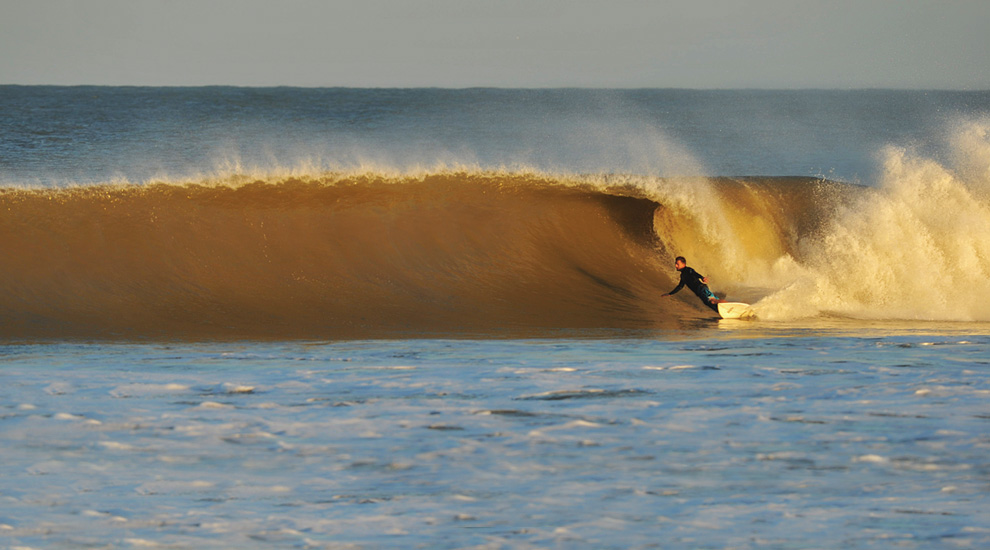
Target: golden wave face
[(372, 255)]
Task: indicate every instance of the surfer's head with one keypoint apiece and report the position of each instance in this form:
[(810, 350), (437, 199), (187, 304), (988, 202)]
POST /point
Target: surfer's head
[(680, 263)]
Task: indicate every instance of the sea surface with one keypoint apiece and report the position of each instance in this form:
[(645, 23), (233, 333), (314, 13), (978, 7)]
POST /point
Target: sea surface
[(431, 318)]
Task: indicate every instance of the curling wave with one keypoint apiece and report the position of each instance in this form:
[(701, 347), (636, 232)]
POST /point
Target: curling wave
[(371, 254), (368, 254)]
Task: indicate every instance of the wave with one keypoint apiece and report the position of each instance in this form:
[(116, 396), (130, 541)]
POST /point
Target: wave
[(361, 254), (373, 254)]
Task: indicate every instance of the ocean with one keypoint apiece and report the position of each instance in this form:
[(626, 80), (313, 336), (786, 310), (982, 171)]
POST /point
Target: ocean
[(432, 318)]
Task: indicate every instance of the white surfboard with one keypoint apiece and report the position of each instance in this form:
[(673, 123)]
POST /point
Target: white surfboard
[(735, 310)]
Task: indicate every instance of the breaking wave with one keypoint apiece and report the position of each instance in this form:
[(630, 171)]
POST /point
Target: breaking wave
[(917, 246), (340, 255)]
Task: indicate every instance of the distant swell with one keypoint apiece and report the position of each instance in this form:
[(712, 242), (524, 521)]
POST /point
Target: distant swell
[(371, 255)]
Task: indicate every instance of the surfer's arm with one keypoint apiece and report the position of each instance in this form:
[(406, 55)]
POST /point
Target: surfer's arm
[(676, 289)]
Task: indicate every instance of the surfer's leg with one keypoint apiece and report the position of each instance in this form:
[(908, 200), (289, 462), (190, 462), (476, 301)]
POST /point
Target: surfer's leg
[(709, 299)]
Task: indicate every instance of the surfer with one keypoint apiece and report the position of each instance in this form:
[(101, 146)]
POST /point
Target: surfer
[(696, 282)]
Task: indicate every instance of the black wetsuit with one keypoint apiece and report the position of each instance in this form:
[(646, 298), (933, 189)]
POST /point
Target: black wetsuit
[(693, 280)]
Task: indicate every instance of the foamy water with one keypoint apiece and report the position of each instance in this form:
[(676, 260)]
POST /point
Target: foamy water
[(916, 247), (829, 440)]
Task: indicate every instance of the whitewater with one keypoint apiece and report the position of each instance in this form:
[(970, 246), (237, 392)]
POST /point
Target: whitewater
[(345, 318)]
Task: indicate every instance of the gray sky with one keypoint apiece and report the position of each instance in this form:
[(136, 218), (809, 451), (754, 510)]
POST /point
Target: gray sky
[(506, 43)]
